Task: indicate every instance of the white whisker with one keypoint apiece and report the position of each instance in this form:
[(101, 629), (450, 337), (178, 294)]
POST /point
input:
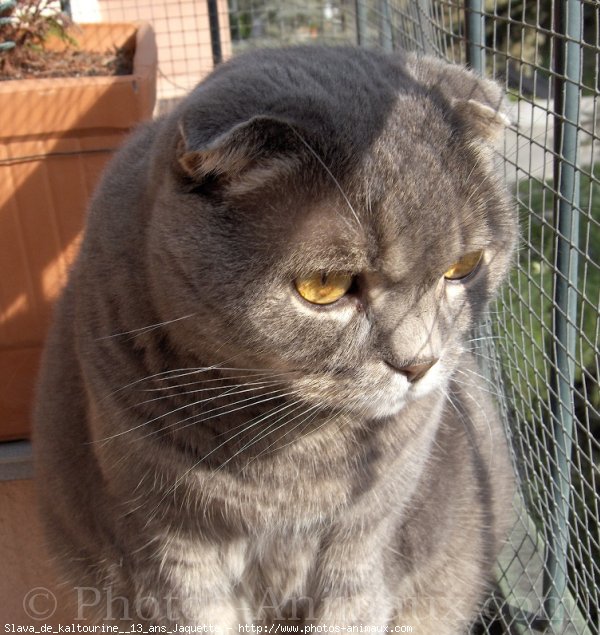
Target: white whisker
[(269, 374), (322, 163), (176, 373), (144, 329), (310, 414), (226, 390), (178, 409), (200, 418)]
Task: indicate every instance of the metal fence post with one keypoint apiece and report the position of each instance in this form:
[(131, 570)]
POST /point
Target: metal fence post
[(361, 22), (215, 31), (475, 32), (385, 27), (567, 95)]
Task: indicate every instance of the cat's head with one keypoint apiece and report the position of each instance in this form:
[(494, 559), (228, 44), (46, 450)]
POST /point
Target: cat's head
[(334, 213)]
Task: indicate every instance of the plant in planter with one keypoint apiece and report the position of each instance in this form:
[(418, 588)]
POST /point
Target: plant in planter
[(56, 134), (24, 27)]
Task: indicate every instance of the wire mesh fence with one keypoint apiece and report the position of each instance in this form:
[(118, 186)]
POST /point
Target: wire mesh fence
[(540, 347), (546, 334)]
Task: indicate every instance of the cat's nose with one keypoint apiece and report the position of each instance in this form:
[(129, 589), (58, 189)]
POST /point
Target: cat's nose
[(414, 372)]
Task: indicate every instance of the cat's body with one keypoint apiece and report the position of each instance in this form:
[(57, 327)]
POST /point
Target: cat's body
[(213, 449)]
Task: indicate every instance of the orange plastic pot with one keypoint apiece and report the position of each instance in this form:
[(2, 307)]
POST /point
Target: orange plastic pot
[(56, 136)]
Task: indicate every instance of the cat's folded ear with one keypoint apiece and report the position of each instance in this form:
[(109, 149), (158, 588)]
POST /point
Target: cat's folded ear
[(477, 103), (246, 155)]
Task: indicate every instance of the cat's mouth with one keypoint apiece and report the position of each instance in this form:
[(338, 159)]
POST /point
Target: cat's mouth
[(375, 390)]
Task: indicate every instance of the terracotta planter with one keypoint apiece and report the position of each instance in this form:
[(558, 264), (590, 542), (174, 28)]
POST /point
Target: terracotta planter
[(56, 135)]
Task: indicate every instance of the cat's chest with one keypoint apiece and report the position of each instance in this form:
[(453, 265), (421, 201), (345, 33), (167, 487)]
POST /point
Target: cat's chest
[(279, 570)]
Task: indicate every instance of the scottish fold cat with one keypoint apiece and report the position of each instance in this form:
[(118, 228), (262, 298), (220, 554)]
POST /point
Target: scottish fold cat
[(258, 405)]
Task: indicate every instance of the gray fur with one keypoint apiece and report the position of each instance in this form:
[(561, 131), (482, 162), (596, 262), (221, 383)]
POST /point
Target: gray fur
[(214, 450)]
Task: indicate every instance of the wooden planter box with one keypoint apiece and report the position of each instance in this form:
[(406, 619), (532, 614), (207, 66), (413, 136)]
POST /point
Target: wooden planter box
[(56, 136)]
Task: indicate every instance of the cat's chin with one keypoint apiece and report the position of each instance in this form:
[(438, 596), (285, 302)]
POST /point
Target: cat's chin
[(383, 408), (392, 400)]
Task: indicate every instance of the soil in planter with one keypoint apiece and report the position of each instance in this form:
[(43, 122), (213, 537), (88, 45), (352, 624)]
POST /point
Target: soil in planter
[(39, 63)]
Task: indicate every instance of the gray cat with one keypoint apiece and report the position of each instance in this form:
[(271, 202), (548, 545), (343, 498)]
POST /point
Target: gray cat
[(256, 405)]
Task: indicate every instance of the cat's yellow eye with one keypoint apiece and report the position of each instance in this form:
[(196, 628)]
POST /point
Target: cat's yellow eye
[(324, 288), (465, 266)]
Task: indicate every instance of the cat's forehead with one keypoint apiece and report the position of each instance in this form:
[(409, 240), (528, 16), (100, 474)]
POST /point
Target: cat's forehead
[(332, 233), (392, 230), (413, 193)]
